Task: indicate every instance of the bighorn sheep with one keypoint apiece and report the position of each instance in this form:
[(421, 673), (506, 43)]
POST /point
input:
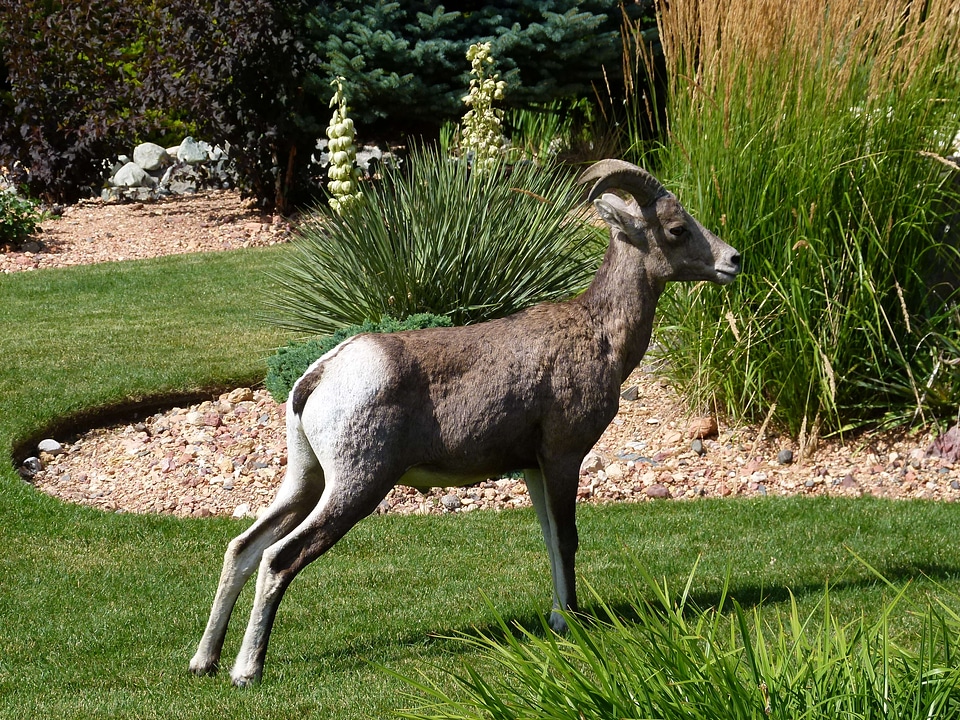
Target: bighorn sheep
[(454, 406)]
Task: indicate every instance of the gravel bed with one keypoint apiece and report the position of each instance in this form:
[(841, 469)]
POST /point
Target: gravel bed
[(226, 456), (94, 231)]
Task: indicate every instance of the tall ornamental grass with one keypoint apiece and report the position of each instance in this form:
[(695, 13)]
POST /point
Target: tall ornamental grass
[(434, 237), (675, 661), (809, 135)]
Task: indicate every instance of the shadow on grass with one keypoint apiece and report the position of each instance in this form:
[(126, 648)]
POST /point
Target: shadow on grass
[(747, 596)]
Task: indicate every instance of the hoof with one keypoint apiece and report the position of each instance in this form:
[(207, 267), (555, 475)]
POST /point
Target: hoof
[(243, 679), (203, 667), (558, 624)]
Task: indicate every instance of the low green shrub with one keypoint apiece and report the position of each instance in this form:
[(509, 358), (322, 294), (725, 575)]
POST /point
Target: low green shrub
[(434, 237), (673, 660), (19, 217), (292, 360)]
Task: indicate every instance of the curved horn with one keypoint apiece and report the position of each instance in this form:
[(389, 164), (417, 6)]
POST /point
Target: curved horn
[(621, 175)]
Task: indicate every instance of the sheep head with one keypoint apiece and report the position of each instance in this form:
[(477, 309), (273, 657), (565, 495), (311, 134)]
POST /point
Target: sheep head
[(675, 245)]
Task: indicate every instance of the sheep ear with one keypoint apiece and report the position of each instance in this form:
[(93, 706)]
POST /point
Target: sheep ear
[(615, 213)]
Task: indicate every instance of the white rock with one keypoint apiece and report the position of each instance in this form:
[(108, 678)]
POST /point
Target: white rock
[(150, 156), (191, 152), (242, 511), (132, 175), (50, 446), (614, 471), (591, 463)]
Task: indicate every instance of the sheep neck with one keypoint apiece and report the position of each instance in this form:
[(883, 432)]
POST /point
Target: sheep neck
[(622, 301)]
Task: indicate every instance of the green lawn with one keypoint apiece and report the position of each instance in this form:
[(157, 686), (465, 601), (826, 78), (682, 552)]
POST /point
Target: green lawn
[(100, 613)]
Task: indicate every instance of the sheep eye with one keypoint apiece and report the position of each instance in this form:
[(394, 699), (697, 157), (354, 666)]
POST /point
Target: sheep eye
[(677, 230)]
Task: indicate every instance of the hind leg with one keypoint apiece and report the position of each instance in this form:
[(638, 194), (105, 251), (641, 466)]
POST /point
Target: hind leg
[(338, 510), (297, 496)]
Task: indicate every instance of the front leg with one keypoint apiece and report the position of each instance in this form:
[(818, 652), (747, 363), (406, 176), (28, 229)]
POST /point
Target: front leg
[(553, 492)]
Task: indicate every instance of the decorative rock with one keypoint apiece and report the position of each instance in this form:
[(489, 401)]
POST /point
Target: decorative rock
[(451, 502), (658, 492), (132, 175), (785, 457), (191, 152), (50, 446), (702, 428), (30, 467), (240, 395), (614, 471), (630, 394), (947, 445), (150, 156), (242, 511), (591, 463), (697, 447), (849, 481), (955, 484)]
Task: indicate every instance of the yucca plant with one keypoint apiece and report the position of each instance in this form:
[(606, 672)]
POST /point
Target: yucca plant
[(809, 136), (673, 660), (437, 238)]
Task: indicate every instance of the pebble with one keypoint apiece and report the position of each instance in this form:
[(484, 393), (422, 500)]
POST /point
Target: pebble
[(785, 457), (451, 502), (697, 447), (658, 492), (702, 428), (50, 446)]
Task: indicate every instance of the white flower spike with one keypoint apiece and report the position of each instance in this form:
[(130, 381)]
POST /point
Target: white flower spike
[(344, 185)]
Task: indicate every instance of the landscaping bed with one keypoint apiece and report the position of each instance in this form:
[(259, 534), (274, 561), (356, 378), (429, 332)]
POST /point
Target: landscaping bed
[(226, 456)]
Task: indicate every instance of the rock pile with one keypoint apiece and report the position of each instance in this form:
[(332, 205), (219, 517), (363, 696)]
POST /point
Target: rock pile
[(156, 172)]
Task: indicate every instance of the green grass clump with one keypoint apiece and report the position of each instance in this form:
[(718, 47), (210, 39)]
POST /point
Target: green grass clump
[(291, 361), (807, 135), (671, 659), (434, 237)]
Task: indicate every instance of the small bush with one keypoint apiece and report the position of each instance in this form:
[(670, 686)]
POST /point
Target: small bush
[(292, 360), (19, 217), (436, 238)]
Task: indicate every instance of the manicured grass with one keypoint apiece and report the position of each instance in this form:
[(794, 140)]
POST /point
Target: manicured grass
[(100, 613), (114, 333)]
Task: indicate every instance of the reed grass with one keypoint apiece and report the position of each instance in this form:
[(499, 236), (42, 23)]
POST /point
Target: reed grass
[(809, 136), (673, 659)]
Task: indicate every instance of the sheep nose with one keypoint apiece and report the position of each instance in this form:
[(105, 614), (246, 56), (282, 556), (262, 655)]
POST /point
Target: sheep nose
[(735, 261)]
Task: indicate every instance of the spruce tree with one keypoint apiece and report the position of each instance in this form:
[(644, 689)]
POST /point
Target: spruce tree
[(403, 61)]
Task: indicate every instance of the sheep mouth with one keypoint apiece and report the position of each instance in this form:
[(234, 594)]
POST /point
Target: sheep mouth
[(725, 277)]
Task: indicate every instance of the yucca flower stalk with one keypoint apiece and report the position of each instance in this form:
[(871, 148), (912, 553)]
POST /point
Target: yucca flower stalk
[(481, 133), (344, 177)]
